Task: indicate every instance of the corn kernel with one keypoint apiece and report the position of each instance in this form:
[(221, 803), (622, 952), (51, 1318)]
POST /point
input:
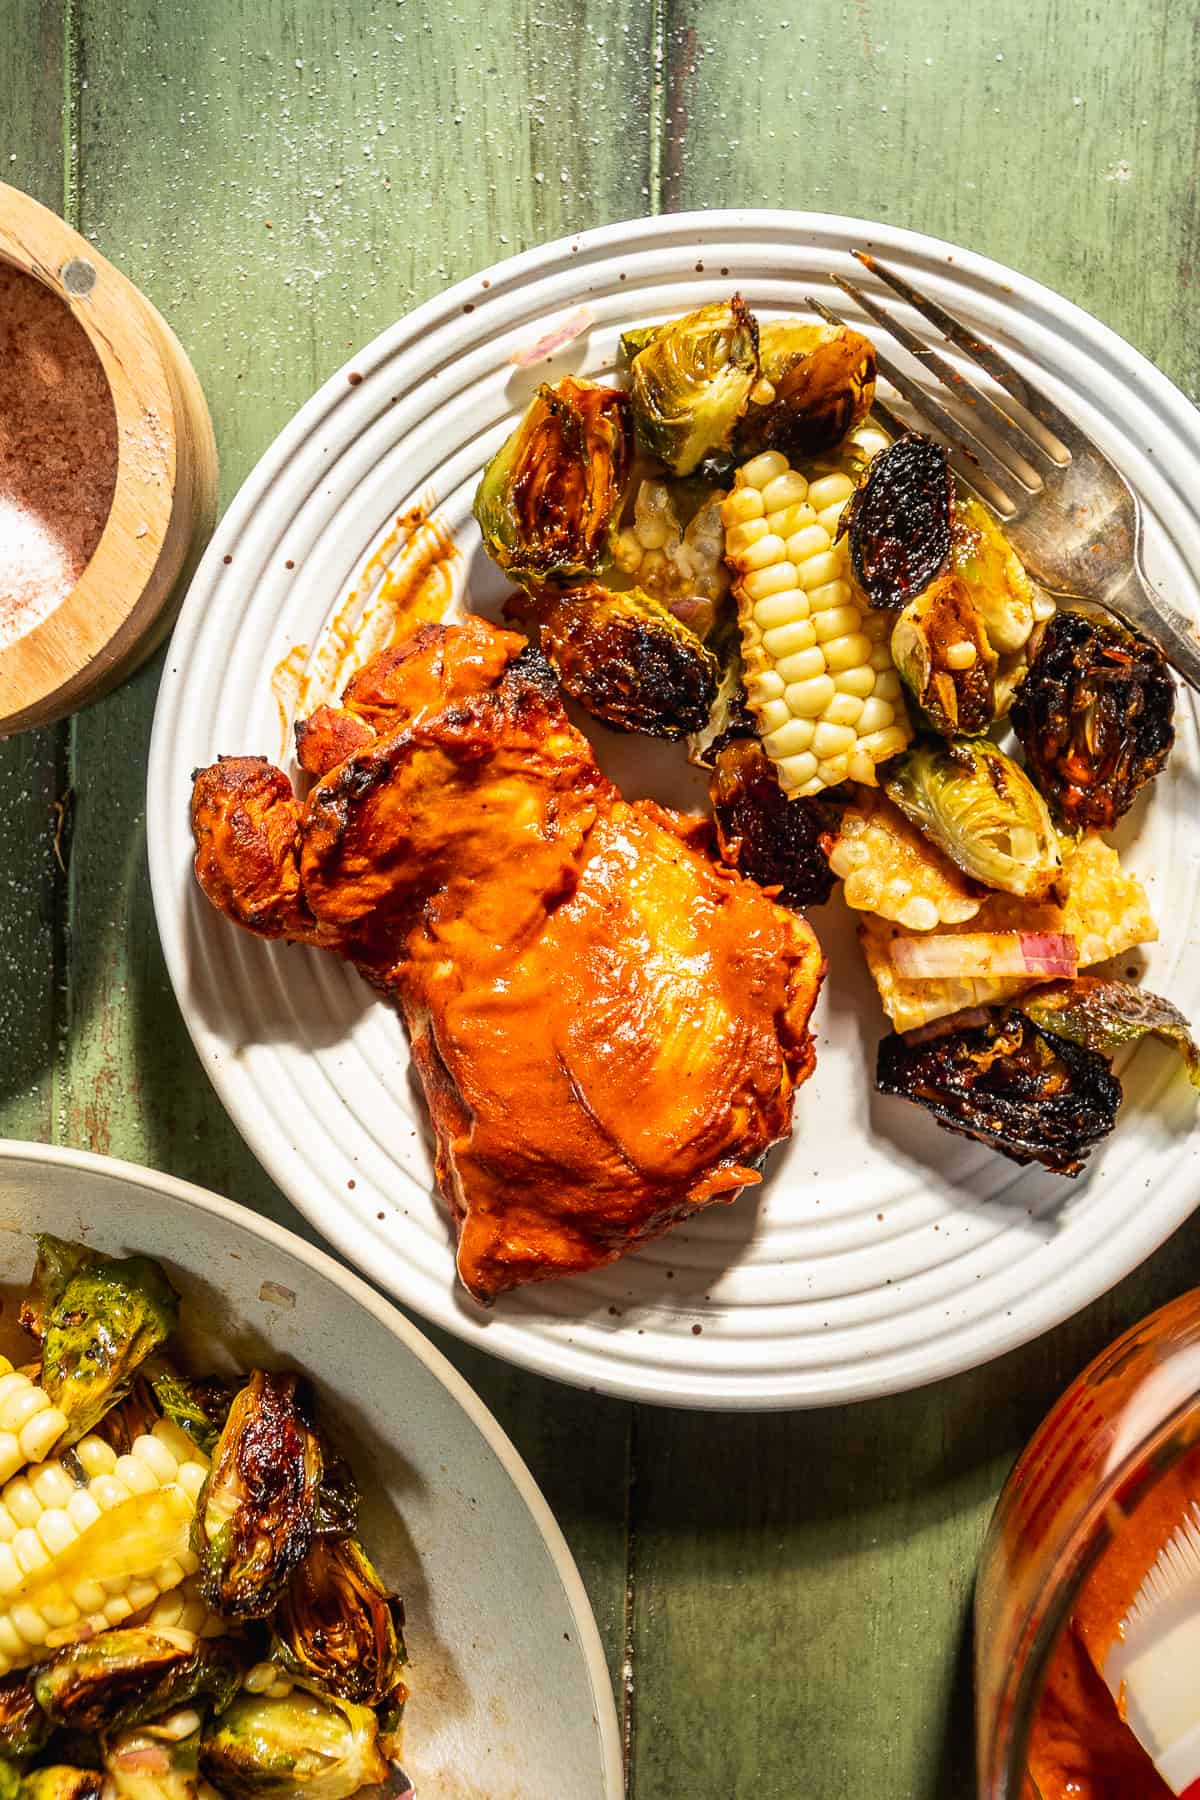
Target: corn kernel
[(836, 622), (783, 641), (809, 697), (844, 709), (95, 1457), (830, 490), (844, 654), (761, 470), (133, 1474), (789, 739), (11, 1572), (56, 1530), (817, 570), (788, 489), (779, 578), (30, 1623), (772, 714), (743, 505), (801, 665), (790, 606), (796, 771)]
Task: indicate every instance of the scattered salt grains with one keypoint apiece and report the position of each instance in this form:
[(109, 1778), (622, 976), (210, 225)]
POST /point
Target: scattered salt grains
[(58, 452)]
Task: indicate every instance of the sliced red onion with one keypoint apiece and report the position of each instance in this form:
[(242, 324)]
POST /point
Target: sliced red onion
[(573, 326), (943, 956)]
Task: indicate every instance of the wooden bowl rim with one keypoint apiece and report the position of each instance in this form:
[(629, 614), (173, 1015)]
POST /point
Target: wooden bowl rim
[(126, 334)]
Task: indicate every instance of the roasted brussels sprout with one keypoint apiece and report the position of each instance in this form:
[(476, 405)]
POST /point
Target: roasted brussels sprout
[(899, 520), (981, 810), (338, 1629), (624, 657), (995, 578), (299, 1748), (690, 383), (24, 1727), (257, 1510), (1095, 717), (942, 652), (1105, 1015), (549, 501), (58, 1262), (129, 1675), (773, 840), (822, 379), (1009, 1084), (106, 1320), (59, 1781), (199, 1407)]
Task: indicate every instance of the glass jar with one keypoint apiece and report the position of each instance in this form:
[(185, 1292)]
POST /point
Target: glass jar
[(1100, 1477)]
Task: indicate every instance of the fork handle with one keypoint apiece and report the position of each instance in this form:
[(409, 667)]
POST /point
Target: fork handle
[(1135, 601)]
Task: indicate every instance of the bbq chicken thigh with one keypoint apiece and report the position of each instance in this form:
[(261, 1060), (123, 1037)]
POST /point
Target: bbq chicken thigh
[(609, 1025)]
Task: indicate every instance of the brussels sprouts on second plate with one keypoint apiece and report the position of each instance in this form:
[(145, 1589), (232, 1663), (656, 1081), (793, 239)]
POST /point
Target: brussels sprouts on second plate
[(981, 810), (690, 383), (338, 1629), (1008, 1083), (899, 521), (549, 501), (942, 652), (124, 1677), (301, 1747), (100, 1326), (774, 840), (625, 657), (1095, 716), (822, 382), (256, 1513)]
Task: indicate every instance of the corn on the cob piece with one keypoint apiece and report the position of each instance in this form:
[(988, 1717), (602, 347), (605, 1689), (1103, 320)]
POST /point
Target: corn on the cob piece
[(88, 1539), (667, 561), (30, 1423), (183, 1608), (818, 670), (888, 867)]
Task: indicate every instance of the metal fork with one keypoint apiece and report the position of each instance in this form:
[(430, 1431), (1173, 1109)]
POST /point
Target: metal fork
[(1069, 514)]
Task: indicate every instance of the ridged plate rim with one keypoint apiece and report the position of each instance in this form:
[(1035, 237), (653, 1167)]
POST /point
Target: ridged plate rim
[(565, 1330)]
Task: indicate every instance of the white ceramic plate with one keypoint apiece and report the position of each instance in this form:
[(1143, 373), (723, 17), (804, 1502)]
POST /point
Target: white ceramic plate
[(880, 1252), (510, 1692)]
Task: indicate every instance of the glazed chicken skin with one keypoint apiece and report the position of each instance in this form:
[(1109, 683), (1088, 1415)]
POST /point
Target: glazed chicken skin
[(609, 1025)]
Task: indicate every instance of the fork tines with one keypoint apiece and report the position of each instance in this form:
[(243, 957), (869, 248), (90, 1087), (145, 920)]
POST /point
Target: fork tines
[(1042, 444)]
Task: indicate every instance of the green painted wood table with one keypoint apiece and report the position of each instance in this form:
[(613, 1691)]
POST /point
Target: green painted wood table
[(784, 1599)]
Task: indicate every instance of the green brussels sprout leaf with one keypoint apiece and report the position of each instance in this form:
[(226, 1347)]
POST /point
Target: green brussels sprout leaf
[(943, 656), (109, 1317), (1105, 1015), (981, 811)]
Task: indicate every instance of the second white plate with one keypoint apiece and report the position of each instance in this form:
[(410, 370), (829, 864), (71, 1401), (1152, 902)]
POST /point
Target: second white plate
[(880, 1252)]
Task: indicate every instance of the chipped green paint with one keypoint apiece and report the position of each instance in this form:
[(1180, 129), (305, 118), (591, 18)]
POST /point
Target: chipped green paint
[(784, 1599)]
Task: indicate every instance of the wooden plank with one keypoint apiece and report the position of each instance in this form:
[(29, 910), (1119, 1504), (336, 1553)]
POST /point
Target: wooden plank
[(32, 766), (300, 175), (800, 1584)]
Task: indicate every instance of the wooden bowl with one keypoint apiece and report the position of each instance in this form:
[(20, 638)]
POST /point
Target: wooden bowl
[(164, 503)]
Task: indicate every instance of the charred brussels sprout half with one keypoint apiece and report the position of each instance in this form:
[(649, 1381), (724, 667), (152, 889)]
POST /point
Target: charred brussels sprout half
[(691, 382), (299, 1748), (1106, 1015), (943, 656), (981, 811), (127, 1676), (626, 658), (1095, 718), (1009, 1084), (338, 1629), (822, 382), (24, 1727), (549, 500), (257, 1510), (773, 840), (108, 1318), (899, 520)]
